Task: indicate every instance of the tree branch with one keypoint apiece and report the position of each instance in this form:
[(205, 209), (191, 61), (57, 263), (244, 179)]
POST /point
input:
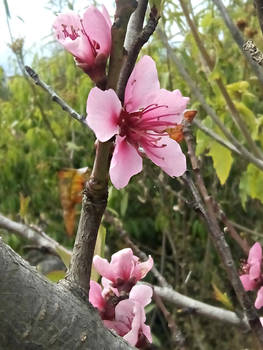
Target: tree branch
[(236, 34), (133, 53), (217, 236), (54, 96), (236, 117), (200, 308), (43, 315)]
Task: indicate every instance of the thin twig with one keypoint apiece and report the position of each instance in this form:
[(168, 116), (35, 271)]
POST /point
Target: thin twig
[(217, 237), (259, 7), (176, 334), (37, 236), (236, 34), (216, 137), (54, 96), (133, 53)]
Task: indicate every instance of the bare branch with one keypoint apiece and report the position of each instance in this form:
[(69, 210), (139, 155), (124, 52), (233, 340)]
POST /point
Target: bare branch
[(30, 233), (238, 38), (200, 308), (54, 96), (217, 236)]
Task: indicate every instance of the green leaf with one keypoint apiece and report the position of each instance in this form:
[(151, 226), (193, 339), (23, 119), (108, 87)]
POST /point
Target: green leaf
[(64, 255), (56, 275), (222, 161), (124, 203), (251, 184), (99, 250)]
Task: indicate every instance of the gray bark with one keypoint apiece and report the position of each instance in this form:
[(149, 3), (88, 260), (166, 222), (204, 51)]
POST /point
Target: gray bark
[(36, 314)]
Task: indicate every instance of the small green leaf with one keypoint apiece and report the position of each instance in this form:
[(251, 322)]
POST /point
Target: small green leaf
[(56, 275), (99, 250), (64, 255), (222, 161)]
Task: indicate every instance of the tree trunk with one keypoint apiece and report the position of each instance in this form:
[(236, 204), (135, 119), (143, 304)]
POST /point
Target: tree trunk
[(36, 314)]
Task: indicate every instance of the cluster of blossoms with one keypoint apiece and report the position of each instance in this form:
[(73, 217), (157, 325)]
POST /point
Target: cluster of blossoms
[(121, 302), (252, 277), (143, 124)]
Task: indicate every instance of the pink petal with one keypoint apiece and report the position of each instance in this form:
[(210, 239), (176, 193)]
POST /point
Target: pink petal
[(80, 48), (106, 16), (137, 323), (102, 266), (125, 163), (255, 253), (142, 294), (254, 271), (141, 269), (107, 287), (173, 105), (146, 330), (259, 299), (69, 19), (248, 284), (119, 327), (122, 264), (97, 28), (170, 158), (142, 85), (95, 296), (103, 111)]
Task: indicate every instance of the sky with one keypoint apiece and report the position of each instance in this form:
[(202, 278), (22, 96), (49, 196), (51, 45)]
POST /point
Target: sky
[(31, 20)]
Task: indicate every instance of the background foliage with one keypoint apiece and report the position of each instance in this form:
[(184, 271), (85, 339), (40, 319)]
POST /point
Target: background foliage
[(38, 140)]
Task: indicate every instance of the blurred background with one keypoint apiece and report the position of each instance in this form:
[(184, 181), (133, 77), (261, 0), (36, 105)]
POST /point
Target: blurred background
[(41, 148)]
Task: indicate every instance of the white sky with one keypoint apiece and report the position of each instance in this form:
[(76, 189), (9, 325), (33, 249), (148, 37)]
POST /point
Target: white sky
[(36, 27)]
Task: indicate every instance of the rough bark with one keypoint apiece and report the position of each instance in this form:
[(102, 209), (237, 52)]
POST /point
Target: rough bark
[(36, 314)]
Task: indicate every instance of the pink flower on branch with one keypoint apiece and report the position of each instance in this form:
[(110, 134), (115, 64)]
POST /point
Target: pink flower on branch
[(88, 39), (252, 268), (123, 271), (130, 317), (141, 124)]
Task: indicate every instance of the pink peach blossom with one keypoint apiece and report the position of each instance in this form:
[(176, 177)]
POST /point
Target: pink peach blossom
[(259, 299), (123, 271), (130, 316), (140, 124), (95, 296), (252, 268), (88, 39)]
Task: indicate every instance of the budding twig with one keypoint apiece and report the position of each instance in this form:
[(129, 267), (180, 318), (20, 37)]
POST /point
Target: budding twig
[(54, 96), (203, 199)]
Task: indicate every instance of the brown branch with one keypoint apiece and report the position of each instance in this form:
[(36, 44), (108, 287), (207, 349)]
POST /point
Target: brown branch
[(54, 96), (259, 7), (96, 190), (37, 236), (217, 236), (176, 334), (133, 53), (236, 34)]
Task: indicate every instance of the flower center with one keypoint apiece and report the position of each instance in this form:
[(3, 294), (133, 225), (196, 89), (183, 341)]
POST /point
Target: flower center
[(73, 33), (145, 127)]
